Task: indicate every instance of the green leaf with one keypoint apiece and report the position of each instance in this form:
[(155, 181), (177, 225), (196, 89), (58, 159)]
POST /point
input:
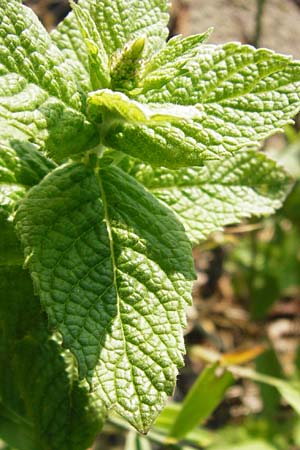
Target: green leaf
[(268, 363), (152, 132), (44, 400), (38, 93), (173, 144), (114, 278), (98, 60), (68, 38), (204, 396), (22, 163), (10, 247), (245, 94), (15, 430), (126, 66), (21, 166), (176, 48), (118, 107), (119, 22), (221, 193), (72, 417)]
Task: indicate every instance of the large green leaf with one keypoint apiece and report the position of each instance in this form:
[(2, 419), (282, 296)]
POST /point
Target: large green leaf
[(145, 130), (38, 92), (221, 193), (113, 268), (245, 94), (43, 405), (167, 142), (42, 402), (64, 413)]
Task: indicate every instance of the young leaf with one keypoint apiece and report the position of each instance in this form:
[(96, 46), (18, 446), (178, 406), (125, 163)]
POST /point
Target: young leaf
[(126, 66), (205, 395), (119, 22), (68, 38), (112, 280), (117, 107), (152, 132), (221, 193), (98, 60), (176, 48), (38, 93)]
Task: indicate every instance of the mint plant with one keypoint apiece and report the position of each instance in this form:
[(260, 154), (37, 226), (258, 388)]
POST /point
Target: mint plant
[(118, 152)]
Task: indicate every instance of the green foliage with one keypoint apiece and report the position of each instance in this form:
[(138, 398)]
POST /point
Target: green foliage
[(268, 259), (202, 399), (118, 152)]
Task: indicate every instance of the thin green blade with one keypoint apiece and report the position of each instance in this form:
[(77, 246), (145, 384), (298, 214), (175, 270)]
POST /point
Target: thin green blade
[(205, 395)]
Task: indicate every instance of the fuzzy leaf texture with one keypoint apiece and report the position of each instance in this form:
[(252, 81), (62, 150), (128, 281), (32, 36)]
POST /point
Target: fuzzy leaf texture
[(114, 279), (108, 256), (242, 96), (117, 22), (38, 92), (221, 193), (21, 166), (43, 404)]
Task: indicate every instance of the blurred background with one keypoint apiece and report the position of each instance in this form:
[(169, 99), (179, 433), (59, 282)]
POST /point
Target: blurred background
[(247, 294)]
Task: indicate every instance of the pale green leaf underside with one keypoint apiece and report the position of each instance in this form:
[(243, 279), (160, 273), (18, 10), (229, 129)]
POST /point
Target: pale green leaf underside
[(38, 92), (221, 193), (117, 107), (114, 278)]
